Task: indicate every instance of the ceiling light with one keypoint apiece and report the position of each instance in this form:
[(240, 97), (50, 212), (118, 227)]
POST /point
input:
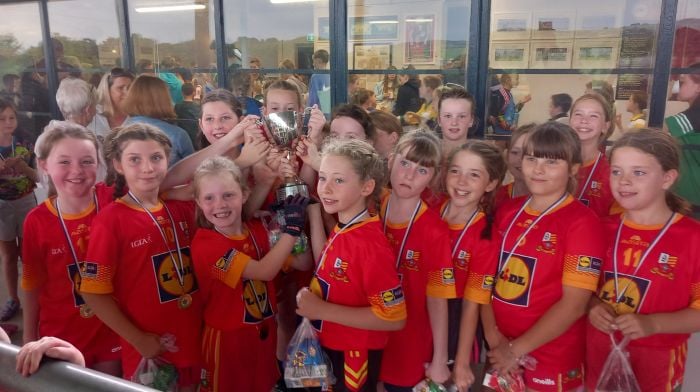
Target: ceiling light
[(170, 8), (383, 22), (291, 1), (420, 20)]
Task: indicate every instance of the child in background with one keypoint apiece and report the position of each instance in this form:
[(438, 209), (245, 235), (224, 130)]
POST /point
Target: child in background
[(636, 105), (17, 183), (139, 278), (551, 247), (239, 298), (473, 174), (421, 242), (456, 115), (591, 118), (650, 276), (427, 114), (58, 233), (352, 122), (355, 294), (387, 132), (514, 158)]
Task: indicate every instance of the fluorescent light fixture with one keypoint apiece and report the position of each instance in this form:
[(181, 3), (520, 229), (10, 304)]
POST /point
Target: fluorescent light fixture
[(291, 1), (170, 8), (383, 22), (420, 20)]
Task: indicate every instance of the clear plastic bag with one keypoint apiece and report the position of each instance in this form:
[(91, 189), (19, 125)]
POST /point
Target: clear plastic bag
[(617, 374), (306, 364), (158, 373)]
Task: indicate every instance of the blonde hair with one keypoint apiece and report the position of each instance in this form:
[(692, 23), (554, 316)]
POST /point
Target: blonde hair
[(104, 99), (607, 111), (215, 166), (149, 96)]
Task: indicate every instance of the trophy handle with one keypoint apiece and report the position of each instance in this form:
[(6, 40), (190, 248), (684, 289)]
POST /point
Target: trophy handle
[(305, 117)]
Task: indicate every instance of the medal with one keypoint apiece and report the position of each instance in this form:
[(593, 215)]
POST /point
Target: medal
[(184, 301), (86, 311)]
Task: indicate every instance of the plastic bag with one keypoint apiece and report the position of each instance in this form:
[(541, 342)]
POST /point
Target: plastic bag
[(429, 385), (511, 382), (158, 373), (617, 374), (306, 364), (274, 224)]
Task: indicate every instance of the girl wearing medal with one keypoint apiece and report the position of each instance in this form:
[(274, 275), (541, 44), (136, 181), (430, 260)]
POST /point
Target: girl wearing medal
[(355, 295), (421, 241), (239, 339), (649, 289), (474, 171), (591, 118), (551, 249), (57, 234), (138, 276)]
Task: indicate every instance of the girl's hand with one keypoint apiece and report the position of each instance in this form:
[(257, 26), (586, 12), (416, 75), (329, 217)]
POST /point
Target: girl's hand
[(636, 325), (263, 174), (316, 123), (287, 169), (149, 346), (502, 358), (309, 305), (438, 372), (308, 152), (602, 316), (29, 356), (247, 126), (274, 157), (253, 151), (464, 377)]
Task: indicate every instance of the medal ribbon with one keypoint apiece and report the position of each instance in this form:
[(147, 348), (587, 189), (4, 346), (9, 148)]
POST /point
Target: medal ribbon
[(618, 295), (178, 266), (590, 176), (408, 228), (328, 245), (67, 235), (464, 229)]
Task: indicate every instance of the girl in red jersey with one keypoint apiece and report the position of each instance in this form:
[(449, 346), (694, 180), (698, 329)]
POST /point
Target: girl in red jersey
[(591, 118), (240, 332), (473, 173), (355, 294), (58, 232), (551, 249), (421, 241), (514, 158), (649, 290)]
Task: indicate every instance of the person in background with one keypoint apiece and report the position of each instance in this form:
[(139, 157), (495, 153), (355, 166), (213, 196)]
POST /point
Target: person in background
[(687, 121), (353, 85), (77, 99), (240, 85), (365, 99), (292, 78), (171, 78), (386, 89), (187, 112), (408, 95), (388, 131), (10, 91), (427, 113), (636, 105), (145, 66), (559, 106), (321, 81), (257, 80), (111, 94), (503, 110)]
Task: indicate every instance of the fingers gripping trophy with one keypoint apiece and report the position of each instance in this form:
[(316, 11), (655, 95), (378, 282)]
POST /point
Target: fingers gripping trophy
[(283, 128)]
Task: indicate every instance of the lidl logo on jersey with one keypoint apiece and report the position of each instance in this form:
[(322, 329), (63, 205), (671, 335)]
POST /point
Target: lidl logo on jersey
[(462, 260), (514, 282), (393, 296), (256, 301), (321, 288), (630, 293), (411, 260), (76, 279), (448, 276), (487, 282), (589, 264), (224, 261), (90, 270), (164, 269), (339, 271)]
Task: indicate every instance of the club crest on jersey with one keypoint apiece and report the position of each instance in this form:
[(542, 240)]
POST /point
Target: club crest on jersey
[(487, 282), (321, 288), (632, 291), (392, 297), (589, 264), (514, 282), (339, 271), (256, 301), (548, 244), (75, 277), (462, 260), (169, 288), (411, 260), (665, 266), (224, 261)]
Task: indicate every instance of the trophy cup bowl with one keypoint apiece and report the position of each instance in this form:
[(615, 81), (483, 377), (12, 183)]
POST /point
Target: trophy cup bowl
[(283, 128)]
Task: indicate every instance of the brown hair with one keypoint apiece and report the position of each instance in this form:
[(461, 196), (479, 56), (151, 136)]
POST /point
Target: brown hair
[(385, 121), (218, 95), (521, 131), (640, 99), (421, 147), (554, 140), (215, 166), (6, 103), (456, 93), (148, 96), (496, 167), (285, 86), (432, 81), (607, 111), (361, 96), (665, 149), (114, 146), (390, 85), (358, 114)]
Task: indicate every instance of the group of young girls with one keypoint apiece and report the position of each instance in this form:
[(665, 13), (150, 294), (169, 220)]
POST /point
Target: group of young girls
[(407, 274)]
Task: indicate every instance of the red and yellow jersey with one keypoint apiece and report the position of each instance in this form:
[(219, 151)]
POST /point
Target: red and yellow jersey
[(433, 198), (358, 271), (565, 248), (425, 269), (48, 266), (232, 301), (128, 259), (503, 194), (597, 195), (668, 279)]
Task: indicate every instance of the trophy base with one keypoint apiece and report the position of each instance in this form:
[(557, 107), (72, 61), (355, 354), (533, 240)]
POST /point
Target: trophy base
[(291, 189)]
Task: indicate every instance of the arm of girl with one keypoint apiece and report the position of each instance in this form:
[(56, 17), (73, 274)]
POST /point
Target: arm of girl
[(437, 310), (463, 375), (30, 315), (309, 305), (303, 261), (252, 152), (19, 164), (553, 323), (641, 325), (264, 178), (106, 308), (493, 336), (317, 233), (307, 150)]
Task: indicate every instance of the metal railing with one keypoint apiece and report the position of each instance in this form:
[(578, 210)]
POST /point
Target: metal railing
[(58, 376)]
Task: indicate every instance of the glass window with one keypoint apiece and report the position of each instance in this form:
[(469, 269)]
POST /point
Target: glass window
[(22, 65), (269, 40), (569, 47), (425, 44), (686, 53)]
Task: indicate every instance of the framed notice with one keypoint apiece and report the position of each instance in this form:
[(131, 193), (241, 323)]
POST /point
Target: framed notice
[(420, 40), (363, 28), (371, 56), (551, 54), (598, 25), (596, 53), (324, 30), (552, 25), (510, 26), (509, 55)]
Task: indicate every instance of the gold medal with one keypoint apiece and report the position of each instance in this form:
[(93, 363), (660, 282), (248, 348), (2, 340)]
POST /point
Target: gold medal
[(184, 301), (85, 311)]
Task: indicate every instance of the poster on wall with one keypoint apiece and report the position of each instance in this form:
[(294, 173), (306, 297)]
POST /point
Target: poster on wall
[(551, 54), (597, 25), (420, 40), (509, 55), (551, 25), (628, 84), (637, 46), (371, 56), (363, 28), (591, 53), (324, 30), (510, 25)]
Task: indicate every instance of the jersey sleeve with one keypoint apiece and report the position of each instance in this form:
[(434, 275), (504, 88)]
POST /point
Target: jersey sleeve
[(104, 252), (229, 267), (33, 269), (441, 275), (583, 253), (482, 273), (381, 283)]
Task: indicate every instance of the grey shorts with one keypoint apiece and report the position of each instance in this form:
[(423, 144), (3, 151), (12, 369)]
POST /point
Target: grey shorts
[(12, 214)]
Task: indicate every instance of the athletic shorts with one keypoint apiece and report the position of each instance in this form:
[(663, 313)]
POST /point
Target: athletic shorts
[(104, 348), (13, 213), (551, 377)]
